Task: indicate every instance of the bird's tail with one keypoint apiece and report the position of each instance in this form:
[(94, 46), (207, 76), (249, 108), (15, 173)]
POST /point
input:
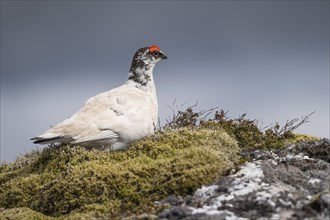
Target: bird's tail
[(50, 138), (39, 140)]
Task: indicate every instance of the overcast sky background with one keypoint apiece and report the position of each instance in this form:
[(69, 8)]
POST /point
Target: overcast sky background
[(267, 58)]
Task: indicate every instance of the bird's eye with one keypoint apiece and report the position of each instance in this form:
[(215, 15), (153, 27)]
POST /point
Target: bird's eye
[(156, 52)]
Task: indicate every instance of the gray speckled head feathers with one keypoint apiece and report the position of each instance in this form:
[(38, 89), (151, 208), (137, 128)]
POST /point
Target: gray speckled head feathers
[(143, 62)]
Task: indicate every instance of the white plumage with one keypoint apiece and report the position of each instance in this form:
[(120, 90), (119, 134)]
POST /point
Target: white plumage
[(112, 119)]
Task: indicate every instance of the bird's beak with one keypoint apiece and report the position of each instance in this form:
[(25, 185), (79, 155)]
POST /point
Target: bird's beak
[(162, 56)]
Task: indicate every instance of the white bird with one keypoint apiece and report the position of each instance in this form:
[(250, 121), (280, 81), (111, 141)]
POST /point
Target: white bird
[(112, 119)]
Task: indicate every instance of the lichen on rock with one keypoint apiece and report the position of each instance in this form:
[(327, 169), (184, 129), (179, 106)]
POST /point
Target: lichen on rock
[(290, 183)]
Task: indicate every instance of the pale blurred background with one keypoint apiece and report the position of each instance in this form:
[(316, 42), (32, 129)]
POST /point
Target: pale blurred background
[(267, 58)]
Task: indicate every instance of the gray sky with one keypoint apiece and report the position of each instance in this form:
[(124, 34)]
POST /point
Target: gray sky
[(267, 58)]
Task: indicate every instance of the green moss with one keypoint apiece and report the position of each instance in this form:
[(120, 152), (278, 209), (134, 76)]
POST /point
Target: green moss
[(70, 182), (303, 137), (22, 214), (249, 136)]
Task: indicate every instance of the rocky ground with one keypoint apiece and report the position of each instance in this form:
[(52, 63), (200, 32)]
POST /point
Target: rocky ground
[(291, 183)]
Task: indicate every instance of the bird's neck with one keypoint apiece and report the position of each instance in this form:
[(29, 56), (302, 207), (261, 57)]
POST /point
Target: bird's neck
[(142, 77)]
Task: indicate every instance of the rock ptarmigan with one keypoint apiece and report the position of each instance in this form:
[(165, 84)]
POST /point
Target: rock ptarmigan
[(112, 119)]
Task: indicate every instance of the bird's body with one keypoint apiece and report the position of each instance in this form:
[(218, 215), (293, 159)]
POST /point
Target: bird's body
[(112, 119)]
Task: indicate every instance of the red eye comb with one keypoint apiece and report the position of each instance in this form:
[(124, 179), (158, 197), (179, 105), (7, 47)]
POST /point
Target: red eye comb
[(152, 48)]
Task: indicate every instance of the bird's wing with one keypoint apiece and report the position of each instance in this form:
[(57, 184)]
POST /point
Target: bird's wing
[(106, 134), (81, 125)]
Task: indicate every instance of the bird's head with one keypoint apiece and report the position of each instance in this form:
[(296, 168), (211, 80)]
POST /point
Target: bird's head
[(143, 63), (150, 55), (147, 56)]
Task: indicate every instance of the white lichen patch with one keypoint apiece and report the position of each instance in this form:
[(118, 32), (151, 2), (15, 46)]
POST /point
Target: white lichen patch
[(314, 180), (225, 214), (208, 210), (247, 180), (264, 196), (206, 191)]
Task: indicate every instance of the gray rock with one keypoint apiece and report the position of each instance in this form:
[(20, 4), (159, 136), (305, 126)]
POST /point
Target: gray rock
[(293, 183)]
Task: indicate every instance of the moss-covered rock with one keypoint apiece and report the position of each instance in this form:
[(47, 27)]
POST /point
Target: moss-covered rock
[(249, 136), (22, 214), (70, 182), (303, 137)]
